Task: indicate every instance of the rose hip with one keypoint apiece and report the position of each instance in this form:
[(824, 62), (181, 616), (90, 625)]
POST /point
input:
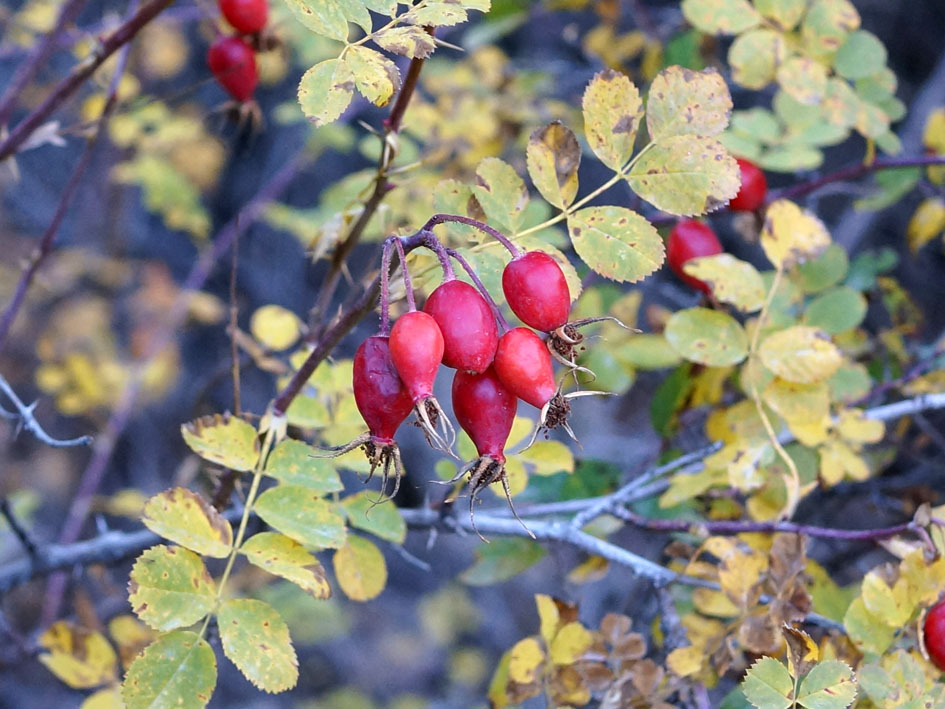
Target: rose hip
[(537, 291), (233, 63), (691, 239), (466, 323), (523, 365)]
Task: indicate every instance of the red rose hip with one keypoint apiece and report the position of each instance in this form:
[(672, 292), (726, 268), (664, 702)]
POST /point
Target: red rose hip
[(523, 365), (690, 239), (245, 16), (537, 291), (933, 633), (751, 194), (416, 348), (379, 393), (468, 326), (233, 63), (485, 410)]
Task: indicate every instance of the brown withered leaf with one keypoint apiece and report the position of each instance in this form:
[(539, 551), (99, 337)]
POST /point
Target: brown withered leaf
[(647, 676), (759, 634), (802, 650)]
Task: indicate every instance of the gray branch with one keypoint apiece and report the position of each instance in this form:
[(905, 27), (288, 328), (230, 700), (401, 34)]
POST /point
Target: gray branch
[(24, 417)]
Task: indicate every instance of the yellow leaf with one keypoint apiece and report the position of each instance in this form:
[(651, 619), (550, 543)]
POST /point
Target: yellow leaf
[(552, 157), (926, 223), (713, 603), (934, 136), (853, 426), (685, 661), (360, 569), (109, 698), (801, 354), (81, 658), (186, 518), (732, 280), (570, 643), (838, 460), (612, 111), (525, 661), (275, 327), (548, 616), (130, 636), (376, 76), (790, 235), (803, 403)]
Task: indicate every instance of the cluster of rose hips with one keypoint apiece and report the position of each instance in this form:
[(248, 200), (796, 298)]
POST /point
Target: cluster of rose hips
[(462, 328), (691, 238), (233, 59)]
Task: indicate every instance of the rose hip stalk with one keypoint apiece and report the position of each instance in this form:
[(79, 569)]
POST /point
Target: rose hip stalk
[(485, 410), (384, 403), (537, 291)]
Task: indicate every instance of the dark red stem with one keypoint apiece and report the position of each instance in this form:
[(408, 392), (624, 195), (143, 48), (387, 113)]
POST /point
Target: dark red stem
[(431, 242), (385, 286), (408, 286), (476, 224)]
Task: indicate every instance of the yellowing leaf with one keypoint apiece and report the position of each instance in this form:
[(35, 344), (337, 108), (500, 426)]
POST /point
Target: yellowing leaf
[(223, 439), (570, 643), (275, 327), (324, 17), (186, 518), (548, 616), (553, 156), (883, 602), (686, 102), (804, 79), (790, 235), (768, 685), (801, 354), (284, 557), (732, 280), (612, 112), (501, 193), (933, 137), (686, 175), (707, 337), (108, 698), (130, 636), (797, 402), (177, 670), (170, 588), (375, 75), (256, 640), (299, 513), (838, 460), (81, 658), (926, 223), (547, 458), (360, 569), (384, 520), (411, 41), (853, 426), (830, 685), (755, 56), (721, 16), (685, 661), (616, 242), (325, 90), (526, 659), (784, 13), (826, 26)]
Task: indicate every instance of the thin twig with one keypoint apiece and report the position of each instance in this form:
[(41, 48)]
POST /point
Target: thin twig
[(68, 86), (23, 534), (25, 417)]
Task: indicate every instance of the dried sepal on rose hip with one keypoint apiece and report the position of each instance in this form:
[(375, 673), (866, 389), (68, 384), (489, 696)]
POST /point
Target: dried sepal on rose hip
[(537, 292), (383, 402), (485, 410)]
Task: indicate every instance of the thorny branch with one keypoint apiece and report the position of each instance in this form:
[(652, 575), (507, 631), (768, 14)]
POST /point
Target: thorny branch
[(23, 415)]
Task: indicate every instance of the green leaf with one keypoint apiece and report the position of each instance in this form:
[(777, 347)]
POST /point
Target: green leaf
[(804, 79), (302, 515), (186, 518), (784, 13), (830, 685), (860, 56), (501, 193), (360, 569), (296, 463), (824, 271), (720, 16), (411, 41), (256, 640), (177, 670), (768, 684), (325, 91), (869, 632), (223, 439), (376, 76), (837, 310), (707, 337), (383, 520), (616, 242), (731, 280), (826, 26), (612, 111), (284, 557), (686, 175), (170, 588), (553, 156), (792, 159), (355, 11), (324, 17), (686, 102), (502, 559), (755, 56), (801, 354)]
